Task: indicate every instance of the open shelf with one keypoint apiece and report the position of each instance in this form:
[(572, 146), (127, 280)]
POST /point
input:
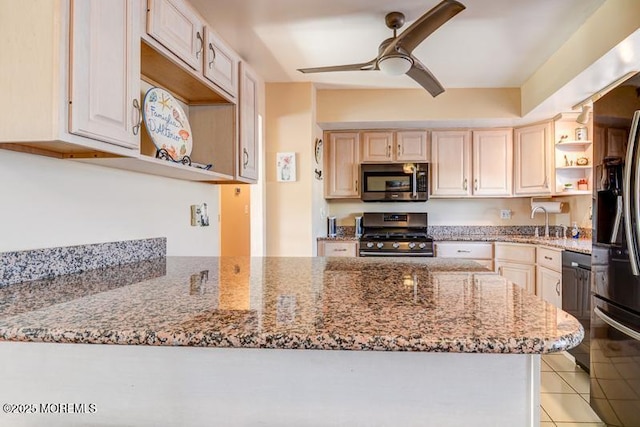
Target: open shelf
[(572, 144), (573, 167), (153, 166)]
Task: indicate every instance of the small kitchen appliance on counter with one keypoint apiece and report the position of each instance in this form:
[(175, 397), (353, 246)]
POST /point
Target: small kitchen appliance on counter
[(395, 234)]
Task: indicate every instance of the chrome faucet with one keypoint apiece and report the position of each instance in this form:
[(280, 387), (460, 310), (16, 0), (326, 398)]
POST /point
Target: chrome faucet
[(546, 219)]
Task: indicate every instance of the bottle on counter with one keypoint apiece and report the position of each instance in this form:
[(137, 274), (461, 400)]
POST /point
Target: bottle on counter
[(575, 231), (332, 227)]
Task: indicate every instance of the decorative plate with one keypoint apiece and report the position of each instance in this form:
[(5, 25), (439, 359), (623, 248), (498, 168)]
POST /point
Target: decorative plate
[(167, 124), (318, 151)]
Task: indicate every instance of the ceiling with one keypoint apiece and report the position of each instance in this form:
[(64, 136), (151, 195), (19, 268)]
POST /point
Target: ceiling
[(493, 43)]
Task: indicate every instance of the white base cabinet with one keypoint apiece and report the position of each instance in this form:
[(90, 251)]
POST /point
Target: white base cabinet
[(550, 286), (517, 262)]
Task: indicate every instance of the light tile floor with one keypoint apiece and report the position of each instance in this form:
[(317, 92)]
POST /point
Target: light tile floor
[(564, 398)]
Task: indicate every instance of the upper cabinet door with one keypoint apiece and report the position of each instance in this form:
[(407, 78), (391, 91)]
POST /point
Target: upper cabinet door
[(377, 146), (221, 63), (533, 159), (451, 168), (412, 146), (248, 106), (105, 71), (342, 165), (492, 162), (178, 27)]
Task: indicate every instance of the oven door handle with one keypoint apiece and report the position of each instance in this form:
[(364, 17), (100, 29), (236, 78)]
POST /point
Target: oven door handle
[(616, 325)]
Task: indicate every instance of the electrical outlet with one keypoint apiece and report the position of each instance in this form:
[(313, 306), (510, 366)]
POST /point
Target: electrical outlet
[(505, 214)]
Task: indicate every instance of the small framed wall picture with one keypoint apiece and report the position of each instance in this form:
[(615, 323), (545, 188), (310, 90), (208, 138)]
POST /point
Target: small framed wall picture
[(286, 167)]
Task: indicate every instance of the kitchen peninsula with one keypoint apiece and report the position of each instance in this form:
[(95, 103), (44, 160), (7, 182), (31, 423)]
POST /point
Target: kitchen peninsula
[(289, 341)]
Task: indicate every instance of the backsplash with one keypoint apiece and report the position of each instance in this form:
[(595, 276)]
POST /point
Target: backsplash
[(442, 231), (22, 266)]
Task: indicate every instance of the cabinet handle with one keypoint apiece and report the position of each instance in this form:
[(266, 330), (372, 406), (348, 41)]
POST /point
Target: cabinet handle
[(245, 155), (213, 55), (475, 184), (199, 51), (558, 287), (400, 152), (546, 182), (548, 257), (340, 250), (462, 251), (136, 106), (356, 185), (464, 184), (500, 271), (388, 151)]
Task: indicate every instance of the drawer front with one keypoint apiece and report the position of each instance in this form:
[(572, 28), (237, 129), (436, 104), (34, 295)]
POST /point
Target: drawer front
[(516, 252), (340, 249), (474, 250), (550, 258)]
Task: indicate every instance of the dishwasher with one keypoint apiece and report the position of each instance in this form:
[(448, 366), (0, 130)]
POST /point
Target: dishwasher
[(576, 298)]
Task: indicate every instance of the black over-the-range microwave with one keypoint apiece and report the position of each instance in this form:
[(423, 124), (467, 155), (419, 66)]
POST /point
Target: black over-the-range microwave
[(394, 182)]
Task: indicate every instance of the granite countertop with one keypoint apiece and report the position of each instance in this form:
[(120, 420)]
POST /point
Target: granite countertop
[(577, 245), (389, 304)]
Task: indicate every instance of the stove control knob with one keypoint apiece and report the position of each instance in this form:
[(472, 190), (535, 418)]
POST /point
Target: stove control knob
[(380, 245), (422, 245), (396, 245), (370, 244), (412, 245)]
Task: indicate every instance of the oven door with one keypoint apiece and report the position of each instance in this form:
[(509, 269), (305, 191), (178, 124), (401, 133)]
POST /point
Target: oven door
[(394, 182), (615, 364)]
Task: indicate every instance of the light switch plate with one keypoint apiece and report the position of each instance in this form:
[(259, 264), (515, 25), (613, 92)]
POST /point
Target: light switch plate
[(505, 214)]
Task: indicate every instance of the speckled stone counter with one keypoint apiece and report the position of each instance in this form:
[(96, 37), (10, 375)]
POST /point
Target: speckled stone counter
[(390, 304), (576, 245)]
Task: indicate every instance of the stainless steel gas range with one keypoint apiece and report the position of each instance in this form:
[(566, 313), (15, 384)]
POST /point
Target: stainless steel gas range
[(395, 234)]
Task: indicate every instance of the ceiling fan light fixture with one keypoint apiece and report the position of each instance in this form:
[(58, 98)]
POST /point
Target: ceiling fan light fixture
[(395, 65)]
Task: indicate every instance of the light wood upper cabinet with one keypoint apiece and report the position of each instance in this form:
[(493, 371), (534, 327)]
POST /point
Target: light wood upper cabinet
[(492, 162), (451, 163), (221, 63), (394, 146), (342, 165), (248, 146), (533, 154), (412, 146), (176, 25), (377, 146), (105, 71)]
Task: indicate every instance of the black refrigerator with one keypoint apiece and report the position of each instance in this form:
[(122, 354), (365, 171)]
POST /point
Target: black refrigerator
[(615, 260)]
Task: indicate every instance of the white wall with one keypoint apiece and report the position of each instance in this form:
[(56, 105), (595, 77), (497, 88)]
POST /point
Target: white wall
[(47, 202)]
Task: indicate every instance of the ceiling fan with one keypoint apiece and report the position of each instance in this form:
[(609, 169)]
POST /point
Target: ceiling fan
[(394, 54)]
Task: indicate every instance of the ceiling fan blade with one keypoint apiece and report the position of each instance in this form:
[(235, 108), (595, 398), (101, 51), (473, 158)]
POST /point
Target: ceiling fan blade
[(424, 26), (365, 66), (424, 78)]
